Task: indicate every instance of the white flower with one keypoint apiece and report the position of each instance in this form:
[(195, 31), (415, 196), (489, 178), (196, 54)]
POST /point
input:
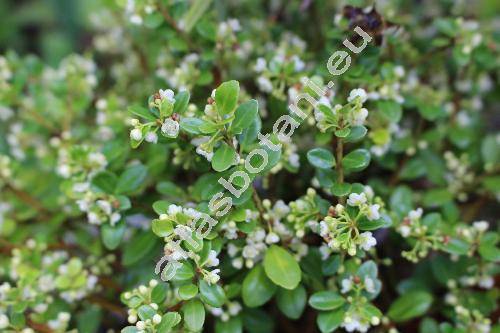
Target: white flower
[(264, 84), (151, 137), (140, 325), (217, 311), (136, 19), (97, 158), (237, 263), (81, 187), (260, 65), (204, 153), (346, 285), (367, 240), (93, 218), (156, 319), (356, 199), (415, 214), (405, 230), (4, 321), (481, 226), (170, 128), (136, 134), (486, 282), (234, 24), (399, 71), (212, 259), (373, 213), (167, 94), (114, 218), (318, 115), (64, 170), (272, 238), (360, 92), (323, 229), (368, 192), (213, 276), (132, 319), (359, 116), (174, 209), (105, 206), (5, 113), (369, 285), (353, 323), (298, 63), (294, 160), (234, 308)]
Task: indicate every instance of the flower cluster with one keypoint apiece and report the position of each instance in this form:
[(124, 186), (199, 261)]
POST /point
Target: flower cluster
[(341, 228)]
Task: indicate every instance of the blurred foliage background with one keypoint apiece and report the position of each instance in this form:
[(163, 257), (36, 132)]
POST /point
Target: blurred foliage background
[(55, 28)]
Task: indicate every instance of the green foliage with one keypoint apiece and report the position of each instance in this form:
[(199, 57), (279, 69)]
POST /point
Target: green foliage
[(203, 167)]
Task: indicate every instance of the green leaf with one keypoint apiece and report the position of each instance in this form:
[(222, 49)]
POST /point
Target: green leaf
[(226, 97), (488, 248), (191, 125), (257, 289), (281, 267), (181, 101), (142, 112), (168, 321), (159, 293), (356, 134), (326, 300), (146, 312), (223, 158), (401, 200), (162, 228), (188, 291), (330, 321), (383, 222), (212, 295), (112, 235), (131, 179), (89, 320), (321, 158), (257, 321), (244, 116), (456, 246), (233, 325), (194, 315), (342, 133), (292, 302), (356, 160), (105, 181), (410, 305), (390, 110), (138, 247), (195, 12), (437, 197), (341, 189)]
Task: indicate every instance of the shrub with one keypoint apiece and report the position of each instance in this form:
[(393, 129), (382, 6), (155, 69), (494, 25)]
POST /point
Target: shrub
[(253, 166)]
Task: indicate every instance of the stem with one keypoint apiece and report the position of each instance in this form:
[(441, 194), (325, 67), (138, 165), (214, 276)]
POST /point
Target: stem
[(258, 203), (340, 169), (26, 198)]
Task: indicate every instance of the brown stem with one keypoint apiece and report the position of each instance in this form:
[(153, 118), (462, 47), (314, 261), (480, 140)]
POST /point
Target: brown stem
[(170, 20), (258, 203), (27, 199), (105, 304), (340, 168)]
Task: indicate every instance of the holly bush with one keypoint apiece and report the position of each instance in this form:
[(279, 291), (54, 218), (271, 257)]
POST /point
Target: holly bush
[(256, 166)]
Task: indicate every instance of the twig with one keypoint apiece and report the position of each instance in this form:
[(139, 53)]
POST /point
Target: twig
[(258, 203), (340, 168)]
